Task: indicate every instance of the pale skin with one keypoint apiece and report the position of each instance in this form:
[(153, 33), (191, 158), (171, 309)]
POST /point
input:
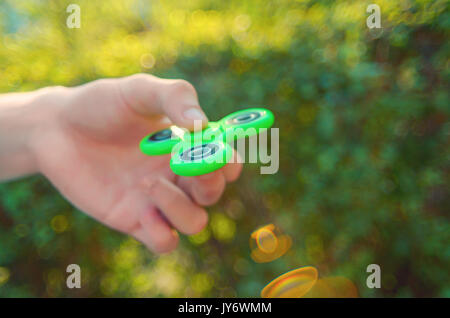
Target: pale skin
[(85, 141)]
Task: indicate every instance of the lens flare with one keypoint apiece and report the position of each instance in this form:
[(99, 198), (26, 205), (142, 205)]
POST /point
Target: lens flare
[(268, 243), (293, 284), (266, 240), (268, 227), (333, 287), (284, 244)]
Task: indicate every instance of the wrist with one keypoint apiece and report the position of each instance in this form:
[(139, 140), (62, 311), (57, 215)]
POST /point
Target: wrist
[(24, 118)]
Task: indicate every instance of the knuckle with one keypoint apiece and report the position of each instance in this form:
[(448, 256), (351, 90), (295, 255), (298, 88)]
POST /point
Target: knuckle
[(208, 193), (153, 185), (138, 85), (209, 196), (103, 83), (48, 95), (210, 199), (101, 87), (233, 172), (59, 89), (198, 223), (182, 86), (166, 243), (136, 82), (138, 78)]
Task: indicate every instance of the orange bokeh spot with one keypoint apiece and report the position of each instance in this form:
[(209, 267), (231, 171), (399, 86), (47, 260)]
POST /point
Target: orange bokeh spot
[(333, 287), (293, 284), (267, 244), (266, 240)]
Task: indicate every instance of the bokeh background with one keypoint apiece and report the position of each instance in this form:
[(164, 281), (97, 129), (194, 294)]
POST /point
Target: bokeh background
[(364, 143)]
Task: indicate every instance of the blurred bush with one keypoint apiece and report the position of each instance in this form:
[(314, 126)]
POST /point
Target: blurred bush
[(364, 148)]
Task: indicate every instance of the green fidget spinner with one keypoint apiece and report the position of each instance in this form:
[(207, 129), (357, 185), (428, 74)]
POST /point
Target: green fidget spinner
[(202, 152)]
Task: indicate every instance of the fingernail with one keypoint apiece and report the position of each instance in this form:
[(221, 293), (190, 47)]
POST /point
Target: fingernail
[(194, 114)]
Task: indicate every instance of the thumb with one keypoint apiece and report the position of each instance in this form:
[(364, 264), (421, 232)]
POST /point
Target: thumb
[(149, 95)]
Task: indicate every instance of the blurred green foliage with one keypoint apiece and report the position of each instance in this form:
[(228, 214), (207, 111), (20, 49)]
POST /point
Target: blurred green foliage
[(364, 147)]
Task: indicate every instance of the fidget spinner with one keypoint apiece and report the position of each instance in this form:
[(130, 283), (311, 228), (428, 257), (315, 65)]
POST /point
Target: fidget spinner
[(202, 152)]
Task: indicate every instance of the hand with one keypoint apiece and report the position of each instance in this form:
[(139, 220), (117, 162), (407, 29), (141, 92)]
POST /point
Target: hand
[(88, 148)]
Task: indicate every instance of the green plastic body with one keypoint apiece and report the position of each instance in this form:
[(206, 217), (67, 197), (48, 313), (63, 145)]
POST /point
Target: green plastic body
[(202, 152)]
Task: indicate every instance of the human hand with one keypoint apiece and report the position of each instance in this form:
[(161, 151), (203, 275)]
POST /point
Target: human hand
[(87, 146)]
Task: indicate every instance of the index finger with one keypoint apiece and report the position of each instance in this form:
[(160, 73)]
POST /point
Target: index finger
[(149, 95)]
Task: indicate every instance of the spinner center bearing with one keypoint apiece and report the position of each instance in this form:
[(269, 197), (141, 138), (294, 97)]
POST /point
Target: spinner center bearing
[(199, 152), (243, 118), (162, 135)]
